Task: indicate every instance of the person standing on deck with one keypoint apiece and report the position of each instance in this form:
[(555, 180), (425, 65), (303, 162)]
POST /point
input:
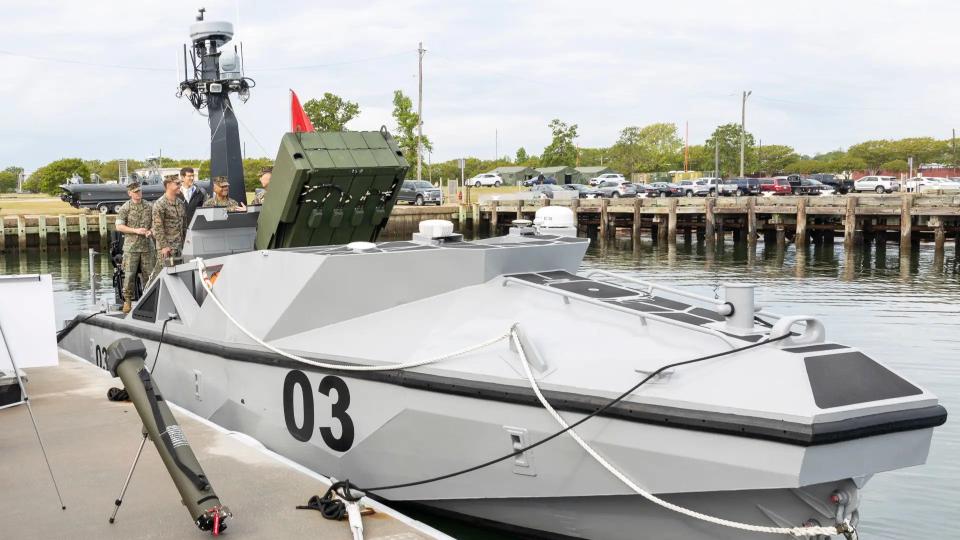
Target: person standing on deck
[(168, 225), (192, 195), (221, 196), (265, 174), (134, 220)]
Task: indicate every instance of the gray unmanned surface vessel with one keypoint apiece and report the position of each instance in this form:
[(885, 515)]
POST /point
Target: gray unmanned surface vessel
[(783, 434)]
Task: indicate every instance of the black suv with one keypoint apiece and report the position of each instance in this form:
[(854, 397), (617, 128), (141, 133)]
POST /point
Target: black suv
[(741, 186), (419, 192), (839, 185)]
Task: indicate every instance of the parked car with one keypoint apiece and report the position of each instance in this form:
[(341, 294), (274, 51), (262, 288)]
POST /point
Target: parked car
[(839, 185), (799, 186), (663, 189), (586, 192), (879, 184), (822, 189), (540, 180), (419, 192), (702, 187), (775, 186), (617, 188), (740, 186), (546, 191), (926, 183), (596, 181), (485, 179)]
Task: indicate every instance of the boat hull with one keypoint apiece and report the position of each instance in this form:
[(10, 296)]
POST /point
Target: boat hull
[(380, 433)]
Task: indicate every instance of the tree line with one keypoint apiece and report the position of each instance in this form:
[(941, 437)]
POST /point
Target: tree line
[(638, 149)]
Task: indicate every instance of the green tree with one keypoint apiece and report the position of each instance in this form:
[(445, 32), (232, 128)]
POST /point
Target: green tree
[(727, 137), (846, 163), (49, 177), (652, 148), (921, 149), (331, 113), (873, 153), (807, 166), (593, 157), (561, 150), (895, 165), (521, 155), (9, 178), (774, 158), (407, 121)]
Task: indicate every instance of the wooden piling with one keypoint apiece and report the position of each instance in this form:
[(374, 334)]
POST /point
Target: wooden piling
[(672, 221), (493, 218), (520, 209), (21, 232), (3, 235), (82, 222), (604, 203), (906, 221), (850, 221), (104, 237), (637, 205), (575, 207), (801, 232), (476, 215), (752, 220), (64, 238), (710, 220), (939, 234), (42, 232)]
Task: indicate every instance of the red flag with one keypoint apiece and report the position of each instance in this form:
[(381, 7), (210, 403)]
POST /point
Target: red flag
[(299, 121)]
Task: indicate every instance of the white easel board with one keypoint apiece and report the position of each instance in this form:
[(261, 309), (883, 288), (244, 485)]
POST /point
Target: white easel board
[(28, 321)]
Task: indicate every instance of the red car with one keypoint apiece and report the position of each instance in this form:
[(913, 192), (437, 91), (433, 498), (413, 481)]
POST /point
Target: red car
[(776, 186)]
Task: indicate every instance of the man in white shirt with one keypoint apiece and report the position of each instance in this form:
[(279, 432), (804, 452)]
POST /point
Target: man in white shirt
[(193, 196)]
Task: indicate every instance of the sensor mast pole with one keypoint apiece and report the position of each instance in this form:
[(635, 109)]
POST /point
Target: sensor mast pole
[(420, 52)]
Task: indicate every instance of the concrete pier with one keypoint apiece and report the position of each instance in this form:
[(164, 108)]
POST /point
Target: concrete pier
[(91, 443)]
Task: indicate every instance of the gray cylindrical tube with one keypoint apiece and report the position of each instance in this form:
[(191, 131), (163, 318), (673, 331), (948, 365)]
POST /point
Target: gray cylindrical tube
[(740, 296), (125, 359)]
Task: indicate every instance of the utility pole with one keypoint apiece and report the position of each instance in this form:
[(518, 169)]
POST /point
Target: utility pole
[(420, 52), (716, 156), (743, 128), (686, 149), (760, 156)]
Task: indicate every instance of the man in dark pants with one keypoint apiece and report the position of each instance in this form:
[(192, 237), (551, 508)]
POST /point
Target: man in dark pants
[(191, 194)]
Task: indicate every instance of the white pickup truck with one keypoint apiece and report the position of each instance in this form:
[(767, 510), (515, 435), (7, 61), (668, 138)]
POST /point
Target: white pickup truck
[(879, 184), (701, 187)]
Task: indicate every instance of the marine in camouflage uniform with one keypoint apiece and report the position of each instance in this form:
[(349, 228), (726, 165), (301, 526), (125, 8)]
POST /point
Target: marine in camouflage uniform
[(168, 230), (259, 197), (265, 175), (138, 255), (221, 197)]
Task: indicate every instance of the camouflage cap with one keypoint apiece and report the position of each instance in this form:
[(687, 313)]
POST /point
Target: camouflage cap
[(133, 186), (221, 181), (171, 180)]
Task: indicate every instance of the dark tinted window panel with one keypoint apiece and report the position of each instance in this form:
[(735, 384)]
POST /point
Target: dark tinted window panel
[(642, 306), (559, 274), (815, 348), (664, 303), (848, 378), (594, 289), (532, 278), (701, 312), (685, 317), (146, 309)]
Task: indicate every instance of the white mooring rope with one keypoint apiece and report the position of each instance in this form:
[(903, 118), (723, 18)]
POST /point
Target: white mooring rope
[(512, 335)]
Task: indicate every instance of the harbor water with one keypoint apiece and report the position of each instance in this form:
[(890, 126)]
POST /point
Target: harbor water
[(904, 313)]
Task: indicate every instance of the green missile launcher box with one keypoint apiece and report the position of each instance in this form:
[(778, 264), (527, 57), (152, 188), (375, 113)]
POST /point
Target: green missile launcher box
[(330, 188)]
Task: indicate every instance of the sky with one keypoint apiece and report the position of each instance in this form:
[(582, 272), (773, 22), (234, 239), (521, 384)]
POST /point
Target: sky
[(97, 79)]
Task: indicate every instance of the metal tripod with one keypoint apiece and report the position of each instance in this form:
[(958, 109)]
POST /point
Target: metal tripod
[(126, 483), (36, 429)]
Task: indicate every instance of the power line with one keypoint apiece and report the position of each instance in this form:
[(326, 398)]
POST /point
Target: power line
[(334, 64), (82, 62)]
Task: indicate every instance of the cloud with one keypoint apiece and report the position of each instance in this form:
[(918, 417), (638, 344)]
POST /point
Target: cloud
[(824, 74)]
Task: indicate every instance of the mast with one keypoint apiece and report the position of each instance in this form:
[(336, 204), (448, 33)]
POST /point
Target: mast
[(216, 73)]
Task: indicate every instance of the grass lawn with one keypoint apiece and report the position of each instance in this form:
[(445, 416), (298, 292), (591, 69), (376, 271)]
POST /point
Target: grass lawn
[(14, 204)]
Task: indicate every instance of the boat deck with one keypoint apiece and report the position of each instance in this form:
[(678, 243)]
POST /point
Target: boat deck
[(91, 443)]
